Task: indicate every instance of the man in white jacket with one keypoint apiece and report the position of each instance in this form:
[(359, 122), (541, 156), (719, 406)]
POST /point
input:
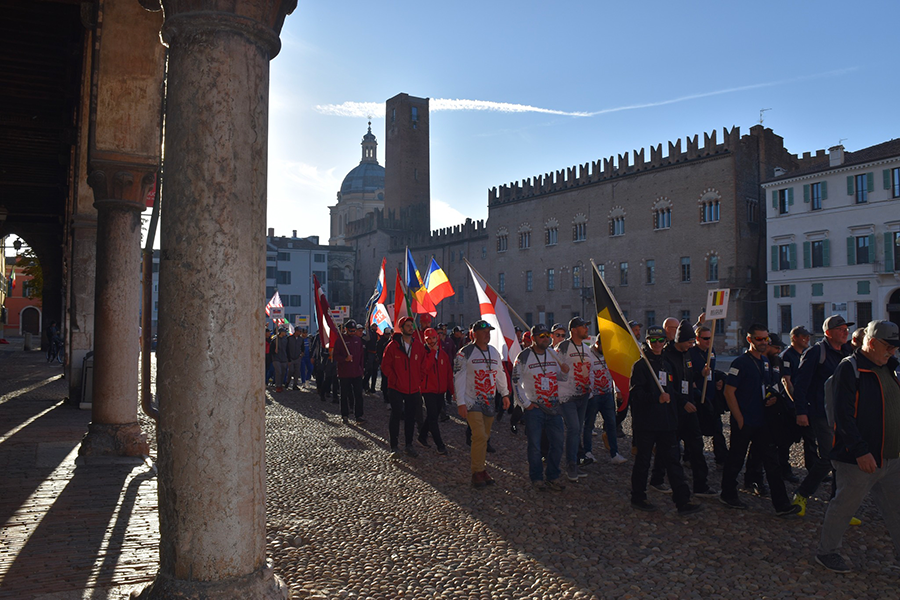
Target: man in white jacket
[(574, 390), (478, 376)]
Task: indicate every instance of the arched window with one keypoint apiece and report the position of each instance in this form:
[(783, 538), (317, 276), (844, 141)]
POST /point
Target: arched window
[(712, 267), (524, 236), (551, 232), (617, 221), (502, 239), (709, 206), (579, 228), (662, 213)]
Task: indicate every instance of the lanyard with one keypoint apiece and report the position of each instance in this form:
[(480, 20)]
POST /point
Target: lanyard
[(541, 364)]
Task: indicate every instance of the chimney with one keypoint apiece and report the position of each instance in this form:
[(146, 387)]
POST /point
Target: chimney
[(271, 232), (836, 156)]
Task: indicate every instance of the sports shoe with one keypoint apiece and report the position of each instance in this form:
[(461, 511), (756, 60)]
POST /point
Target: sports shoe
[(733, 503), (790, 511), (689, 509), (707, 493), (442, 451), (410, 451), (618, 459), (800, 500), (662, 488), (581, 472), (855, 522), (833, 562), (487, 478), (478, 481), (514, 429), (643, 505), (539, 486), (395, 452), (555, 486), (588, 459), (572, 473), (758, 488)]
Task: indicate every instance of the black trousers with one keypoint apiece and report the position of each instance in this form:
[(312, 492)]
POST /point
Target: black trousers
[(371, 374), (689, 433), (760, 439), (668, 456), (433, 405), (351, 396), (781, 430), (403, 406)]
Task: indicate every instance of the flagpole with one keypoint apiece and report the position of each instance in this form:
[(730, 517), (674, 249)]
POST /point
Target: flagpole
[(712, 338), (621, 316), (474, 270)]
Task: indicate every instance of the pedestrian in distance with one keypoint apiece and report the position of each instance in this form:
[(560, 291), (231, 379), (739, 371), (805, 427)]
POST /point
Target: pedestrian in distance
[(349, 358), (402, 365)]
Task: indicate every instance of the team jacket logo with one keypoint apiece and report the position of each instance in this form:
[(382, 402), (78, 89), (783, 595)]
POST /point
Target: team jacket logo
[(582, 377), (551, 385), (484, 385), (601, 380)]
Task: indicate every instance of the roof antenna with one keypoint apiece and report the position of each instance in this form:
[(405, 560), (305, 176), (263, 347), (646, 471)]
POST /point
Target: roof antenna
[(841, 141), (761, 111)]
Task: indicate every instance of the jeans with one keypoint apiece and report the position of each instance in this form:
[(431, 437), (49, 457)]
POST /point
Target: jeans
[(668, 455), (351, 395), (573, 415), (763, 444), (481, 431), (537, 422), (433, 405), (280, 372), (293, 374), (605, 405), (306, 368), (405, 405), (820, 434), (853, 484)]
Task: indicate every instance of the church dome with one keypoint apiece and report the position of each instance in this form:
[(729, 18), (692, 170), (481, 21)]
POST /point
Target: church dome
[(366, 178)]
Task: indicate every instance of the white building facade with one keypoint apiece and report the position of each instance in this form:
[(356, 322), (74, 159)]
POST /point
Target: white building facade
[(833, 231)]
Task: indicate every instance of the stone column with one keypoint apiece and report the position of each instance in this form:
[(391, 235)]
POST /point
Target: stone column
[(114, 429), (211, 430)]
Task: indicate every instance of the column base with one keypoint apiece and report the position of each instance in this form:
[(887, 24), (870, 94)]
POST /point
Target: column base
[(105, 439), (263, 584)]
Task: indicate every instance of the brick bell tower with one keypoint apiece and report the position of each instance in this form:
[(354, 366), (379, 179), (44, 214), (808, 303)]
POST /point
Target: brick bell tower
[(407, 172)]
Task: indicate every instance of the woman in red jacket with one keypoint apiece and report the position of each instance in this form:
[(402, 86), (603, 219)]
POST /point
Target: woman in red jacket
[(402, 364), (437, 380)]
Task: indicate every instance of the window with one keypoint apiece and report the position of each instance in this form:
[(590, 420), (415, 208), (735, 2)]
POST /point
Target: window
[(651, 271), (623, 273), (155, 268), (863, 312), (501, 283), (552, 236), (818, 316), (662, 218), (271, 272), (529, 281), (320, 275), (752, 210), (818, 252), (816, 195), (602, 268), (551, 279), (863, 289), (415, 117), (862, 187), (894, 182), (524, 239), (390, 298), (286, 256), (787, 322), (863, 252), (284, 278), (896, 252), (712, 268), (785, 200), (720, 326), (393, 115), (784, 257), (156, 306), (579, 232), (502, 241), (294, 300), (818, 289), (617, 226), (685, 268), (685, 315), (529, 319), (709, 211), (318, 257), (650, 318), (551, 319), (576, 277)]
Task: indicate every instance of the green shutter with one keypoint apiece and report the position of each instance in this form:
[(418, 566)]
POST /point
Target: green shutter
[(870, 182), (807, 260), (793, 291), (826, 253), (886, 176), (774, 198), (888, 252), (806, 193), (817, 289), (862, 288), (790, 194), (774, 258), (777, 290), (851, 251), (792, 253), (851, 189), (824, 190)]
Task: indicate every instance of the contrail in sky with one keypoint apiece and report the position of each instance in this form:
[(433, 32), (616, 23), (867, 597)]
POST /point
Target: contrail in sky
[(376, 109)]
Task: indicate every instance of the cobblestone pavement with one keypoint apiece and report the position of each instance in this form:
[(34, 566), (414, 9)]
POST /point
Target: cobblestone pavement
[(344, 521)]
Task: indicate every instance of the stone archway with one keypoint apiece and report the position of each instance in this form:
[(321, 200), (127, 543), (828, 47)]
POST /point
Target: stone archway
[(893, 307), (30, 320)]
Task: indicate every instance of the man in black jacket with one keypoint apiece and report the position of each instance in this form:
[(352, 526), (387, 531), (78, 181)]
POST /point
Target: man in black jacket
[(866, 449), (655, 422)]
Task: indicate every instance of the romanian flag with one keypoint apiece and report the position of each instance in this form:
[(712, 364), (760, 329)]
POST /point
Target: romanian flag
[(619, 346), (421, 301), (718, 298), (401, 301), (437, 284)]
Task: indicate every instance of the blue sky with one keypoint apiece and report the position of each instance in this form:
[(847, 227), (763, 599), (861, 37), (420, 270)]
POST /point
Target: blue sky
[(646, 73)]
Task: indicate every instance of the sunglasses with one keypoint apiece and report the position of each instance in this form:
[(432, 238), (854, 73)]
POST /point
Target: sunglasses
[(761, 339), (656, 340), (705, 338), (542, 335)]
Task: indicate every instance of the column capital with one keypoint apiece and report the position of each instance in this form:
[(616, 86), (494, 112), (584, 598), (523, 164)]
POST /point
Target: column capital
[(121, 184), (260, 21)]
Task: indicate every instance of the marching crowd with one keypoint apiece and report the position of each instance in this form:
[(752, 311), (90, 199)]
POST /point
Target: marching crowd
[(840, 399)]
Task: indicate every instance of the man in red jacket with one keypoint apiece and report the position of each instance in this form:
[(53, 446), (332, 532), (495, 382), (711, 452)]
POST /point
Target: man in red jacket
[(437, 380), (402, 364)]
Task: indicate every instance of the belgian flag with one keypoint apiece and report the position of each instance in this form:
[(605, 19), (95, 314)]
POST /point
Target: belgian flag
[(620, 349)]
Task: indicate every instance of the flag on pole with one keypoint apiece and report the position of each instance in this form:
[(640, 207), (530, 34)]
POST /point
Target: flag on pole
[(327, 330), (437, 284), (13, 281), (620, 349), (273, 303), (401, 300), (421, 301), (380, 318), (494, 311), (379, 296)]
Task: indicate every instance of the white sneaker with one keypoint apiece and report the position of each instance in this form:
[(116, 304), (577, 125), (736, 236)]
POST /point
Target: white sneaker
[(618, 459), (589, 455)]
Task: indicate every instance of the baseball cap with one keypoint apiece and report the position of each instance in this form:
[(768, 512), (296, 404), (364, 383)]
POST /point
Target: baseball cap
[(350, 324), (481, 324), (886, 331), (835, 321), (799, 330), (431, 333), (634, 324), (403, 321), (577, 322), (539, 329), (775, 340), (655, 332), (457, 329)]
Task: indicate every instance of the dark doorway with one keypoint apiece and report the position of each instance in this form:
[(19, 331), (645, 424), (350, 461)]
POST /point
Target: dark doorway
[(893, 307), (31, 321)]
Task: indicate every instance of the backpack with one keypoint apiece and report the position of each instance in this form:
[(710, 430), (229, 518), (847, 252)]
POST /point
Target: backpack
[(831, 388)]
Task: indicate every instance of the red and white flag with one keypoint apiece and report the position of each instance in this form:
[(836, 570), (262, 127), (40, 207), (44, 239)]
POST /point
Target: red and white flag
[(275, 302), (401, 301), (327, 330), (494, 311)]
